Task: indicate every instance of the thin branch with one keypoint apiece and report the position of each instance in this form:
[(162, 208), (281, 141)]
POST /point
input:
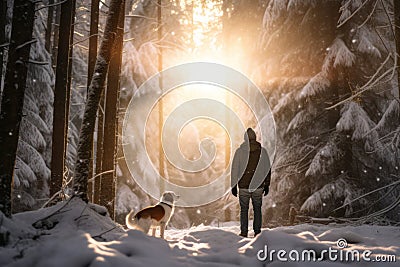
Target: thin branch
[(139, 16), (369, 16), (382, 41), (352, 15), (367, 194), (83, 47), (84, 208), (42, 63), (130, 39), (85, 39), (104, 4), (105, 172), (26, 43), (55, 212), (51, 199), (371, 82), (47, 6), (105, 232), (389, 19)]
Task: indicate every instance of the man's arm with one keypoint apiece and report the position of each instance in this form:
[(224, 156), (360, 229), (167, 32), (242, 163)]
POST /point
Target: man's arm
[(235, 173), (267, 179)]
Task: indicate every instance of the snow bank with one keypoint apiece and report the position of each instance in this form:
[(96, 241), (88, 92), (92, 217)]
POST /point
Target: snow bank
[(76, 234)]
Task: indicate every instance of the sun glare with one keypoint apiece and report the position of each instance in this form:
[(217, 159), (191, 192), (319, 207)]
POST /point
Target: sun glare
[(204, 29), (198, 129), (203, 33)]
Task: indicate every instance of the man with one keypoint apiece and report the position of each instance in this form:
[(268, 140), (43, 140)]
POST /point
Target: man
[(251, 171)]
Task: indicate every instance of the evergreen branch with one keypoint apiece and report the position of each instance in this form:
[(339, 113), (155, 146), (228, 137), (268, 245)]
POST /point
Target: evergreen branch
[(382, 211), (371, 82), (375, 202), (367, 194)]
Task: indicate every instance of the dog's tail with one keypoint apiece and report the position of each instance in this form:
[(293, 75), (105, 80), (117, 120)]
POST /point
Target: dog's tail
[(142, 224)]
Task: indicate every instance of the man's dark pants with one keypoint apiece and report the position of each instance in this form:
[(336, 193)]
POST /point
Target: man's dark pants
[(256, 199)]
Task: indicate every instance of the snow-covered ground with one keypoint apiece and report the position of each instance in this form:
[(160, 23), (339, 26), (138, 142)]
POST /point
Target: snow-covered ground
[(80, 235)]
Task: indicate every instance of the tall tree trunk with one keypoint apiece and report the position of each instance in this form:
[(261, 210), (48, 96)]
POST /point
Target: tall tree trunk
[(13, 95), (3, 16), (397, 35), (61, 96), (93, 98), (108, 179), (49, 25), (99, 151), (161, 159), (93, 40), (56, 34), (69, 77)]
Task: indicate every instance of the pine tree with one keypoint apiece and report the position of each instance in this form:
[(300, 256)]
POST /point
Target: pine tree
[(108, 179), (32, 171), (62, 96), (93, 40), (319, 56), (93, 98), (12, 100), (396, 10)]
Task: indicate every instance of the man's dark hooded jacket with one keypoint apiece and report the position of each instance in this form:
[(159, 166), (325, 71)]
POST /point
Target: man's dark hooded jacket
[(246, 173)]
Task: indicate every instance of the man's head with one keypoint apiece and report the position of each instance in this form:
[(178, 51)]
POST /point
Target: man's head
[(250, 134)]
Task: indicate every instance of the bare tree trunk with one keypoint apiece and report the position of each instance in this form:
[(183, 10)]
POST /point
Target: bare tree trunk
[(108, 179), (161, 162), (92, 103), (61, 96), (397, 35), (99, 151), (3, 15), (69, 77), (13, 96), (56, 34), (49, 25), (93, 40)]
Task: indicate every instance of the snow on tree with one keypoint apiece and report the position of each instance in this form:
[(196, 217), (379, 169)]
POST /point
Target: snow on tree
[(318, 54), (34, 147)]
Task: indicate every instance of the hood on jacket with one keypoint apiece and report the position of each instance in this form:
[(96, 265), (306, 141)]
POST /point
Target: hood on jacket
[(251, 145)]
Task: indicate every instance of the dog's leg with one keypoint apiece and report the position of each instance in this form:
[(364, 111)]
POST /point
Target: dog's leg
[(154, 230), (162, 228)]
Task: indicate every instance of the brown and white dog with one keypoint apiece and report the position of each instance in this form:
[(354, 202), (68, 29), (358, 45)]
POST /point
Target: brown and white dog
[(153, 216)]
